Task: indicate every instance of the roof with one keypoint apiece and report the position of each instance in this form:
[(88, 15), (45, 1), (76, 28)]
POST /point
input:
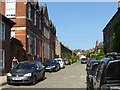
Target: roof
[(4, 18), (14, 40), (111, 19)]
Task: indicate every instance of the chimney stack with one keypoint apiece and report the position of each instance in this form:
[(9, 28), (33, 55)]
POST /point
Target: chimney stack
[(118, 4)]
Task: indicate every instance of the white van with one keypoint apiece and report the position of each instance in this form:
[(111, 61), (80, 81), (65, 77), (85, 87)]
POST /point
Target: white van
[(61, 62)]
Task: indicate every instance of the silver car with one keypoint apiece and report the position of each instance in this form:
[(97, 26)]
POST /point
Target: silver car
[(61, 62)]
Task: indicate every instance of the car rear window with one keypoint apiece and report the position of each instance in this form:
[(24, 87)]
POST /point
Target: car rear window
[(83, 59), (113, 71)]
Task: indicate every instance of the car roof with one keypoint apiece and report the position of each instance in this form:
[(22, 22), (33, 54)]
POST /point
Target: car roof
[(107, 60), (29, 61), (113, 55), (94, 60)]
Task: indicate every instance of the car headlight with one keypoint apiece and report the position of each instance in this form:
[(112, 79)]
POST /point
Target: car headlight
[(9, 74), (52, 66), (28, 74)]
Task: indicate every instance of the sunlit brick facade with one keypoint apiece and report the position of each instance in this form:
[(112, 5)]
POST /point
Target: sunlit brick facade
[(28, 27), (32, 28)]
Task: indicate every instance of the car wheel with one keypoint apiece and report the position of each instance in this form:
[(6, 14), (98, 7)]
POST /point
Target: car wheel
[(43, 77), (9, 83), (56, 69), (34, 80)]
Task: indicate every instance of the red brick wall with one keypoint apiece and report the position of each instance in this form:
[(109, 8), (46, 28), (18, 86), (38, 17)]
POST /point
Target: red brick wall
[(6, 47), (21, 35), (2, 8), (20, 11), (17, 50), (21, 21)]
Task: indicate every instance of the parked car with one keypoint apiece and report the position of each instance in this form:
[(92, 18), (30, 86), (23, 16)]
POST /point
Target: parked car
[(67, 62), (90, 62), (51, 66), (92, 65), (83, 60), (61, 62), (107, 75), (26, 72)]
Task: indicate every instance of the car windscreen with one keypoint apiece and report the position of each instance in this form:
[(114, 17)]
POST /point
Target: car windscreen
[(25, 66), (113, 71), (83, 59), (93, 68), (51, 62)]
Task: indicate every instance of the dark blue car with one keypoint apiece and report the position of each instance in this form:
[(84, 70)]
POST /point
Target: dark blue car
[(52, 65), (26, 72)]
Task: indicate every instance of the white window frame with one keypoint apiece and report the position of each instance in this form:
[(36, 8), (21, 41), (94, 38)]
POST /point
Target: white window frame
[(35, 46), (28, 45), (2, 58), (29, 11), (13, 33), (34, 17), (47, 22), (45, 50), (46, 33), (48, 49), (40, 51), (2, 31), (40, 23)]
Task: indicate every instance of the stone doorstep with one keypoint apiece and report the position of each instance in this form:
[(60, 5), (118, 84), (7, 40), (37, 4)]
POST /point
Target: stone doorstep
[(3, 80)]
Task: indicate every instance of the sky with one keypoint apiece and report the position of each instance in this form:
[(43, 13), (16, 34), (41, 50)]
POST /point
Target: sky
[(80, 24)]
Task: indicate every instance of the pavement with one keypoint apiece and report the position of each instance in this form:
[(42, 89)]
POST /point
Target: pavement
[(3, 80)]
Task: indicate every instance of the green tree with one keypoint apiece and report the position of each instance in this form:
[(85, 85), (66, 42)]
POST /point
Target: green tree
[(67, 55)]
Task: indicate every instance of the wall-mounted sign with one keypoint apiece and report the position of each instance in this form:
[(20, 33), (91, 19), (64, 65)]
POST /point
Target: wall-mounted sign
[(10, 10)]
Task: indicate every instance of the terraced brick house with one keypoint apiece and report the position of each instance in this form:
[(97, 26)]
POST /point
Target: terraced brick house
[(108, 32), (5, 28), (32, 28), (27, 29)]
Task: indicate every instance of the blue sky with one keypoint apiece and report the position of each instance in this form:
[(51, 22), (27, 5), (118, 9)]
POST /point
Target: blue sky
[(80, 24)]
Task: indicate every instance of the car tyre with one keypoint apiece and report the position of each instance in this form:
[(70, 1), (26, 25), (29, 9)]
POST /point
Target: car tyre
[(56, 69), (9, 83), (34, 80), (43, 77)]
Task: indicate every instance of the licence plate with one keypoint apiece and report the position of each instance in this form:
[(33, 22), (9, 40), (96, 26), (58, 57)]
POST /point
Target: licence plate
[(16, 78), (47, 68)]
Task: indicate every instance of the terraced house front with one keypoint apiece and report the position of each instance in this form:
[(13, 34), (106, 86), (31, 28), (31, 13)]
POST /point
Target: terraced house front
[(33, 29)]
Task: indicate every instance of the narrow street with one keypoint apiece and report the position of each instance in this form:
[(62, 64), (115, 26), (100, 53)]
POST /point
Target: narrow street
[(73, 76)]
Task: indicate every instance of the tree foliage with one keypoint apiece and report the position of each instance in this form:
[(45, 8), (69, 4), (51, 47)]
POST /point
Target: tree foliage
[(68, 56)]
